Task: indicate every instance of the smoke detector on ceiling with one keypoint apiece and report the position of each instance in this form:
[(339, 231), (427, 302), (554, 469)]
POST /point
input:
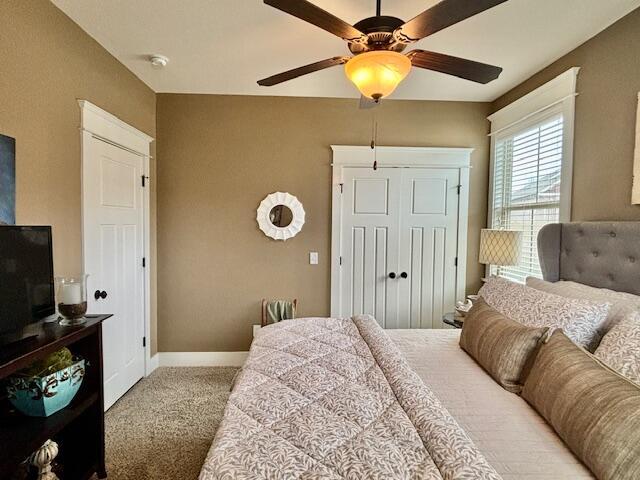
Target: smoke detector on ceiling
[(158, 61)]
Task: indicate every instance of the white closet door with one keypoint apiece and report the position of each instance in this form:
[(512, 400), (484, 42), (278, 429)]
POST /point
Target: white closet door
[(398, 244), (113, 250), (428, 246), (369, 243)]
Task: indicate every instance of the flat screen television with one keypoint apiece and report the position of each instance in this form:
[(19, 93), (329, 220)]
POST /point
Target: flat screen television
[(26, 279)]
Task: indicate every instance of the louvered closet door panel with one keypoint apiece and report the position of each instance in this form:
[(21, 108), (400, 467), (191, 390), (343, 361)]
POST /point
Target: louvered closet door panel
[(369, 243), (428, 246)]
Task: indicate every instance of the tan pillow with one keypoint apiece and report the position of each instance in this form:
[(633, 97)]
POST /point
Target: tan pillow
[(592, 408), (503, 347)]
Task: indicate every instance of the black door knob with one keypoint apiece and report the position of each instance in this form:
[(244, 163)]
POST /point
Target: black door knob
[(100, 294), (404, 275), (392, 275)]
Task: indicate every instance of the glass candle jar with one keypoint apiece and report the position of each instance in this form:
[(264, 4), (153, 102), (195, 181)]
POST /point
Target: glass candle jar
[(71, 299)]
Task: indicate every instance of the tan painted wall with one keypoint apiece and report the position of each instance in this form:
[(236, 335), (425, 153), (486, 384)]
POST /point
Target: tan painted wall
[(46, 63), (220, 155), (608, 84)]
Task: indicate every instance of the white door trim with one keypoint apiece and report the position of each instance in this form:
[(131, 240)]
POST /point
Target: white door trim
[(98, 123), (397, 157)]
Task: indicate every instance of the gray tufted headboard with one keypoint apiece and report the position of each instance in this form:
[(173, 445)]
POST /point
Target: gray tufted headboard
[(599, 254)]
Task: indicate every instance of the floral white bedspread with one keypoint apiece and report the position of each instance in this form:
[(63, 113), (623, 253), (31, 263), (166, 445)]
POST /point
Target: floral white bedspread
[(334, 398)]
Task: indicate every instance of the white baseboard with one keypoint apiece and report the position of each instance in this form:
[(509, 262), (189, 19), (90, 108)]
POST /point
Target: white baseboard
[(154, 362), (201, 359)]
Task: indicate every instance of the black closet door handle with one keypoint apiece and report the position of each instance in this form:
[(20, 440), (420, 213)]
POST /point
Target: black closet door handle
[(404, 275), (392, 275), (100, 294)]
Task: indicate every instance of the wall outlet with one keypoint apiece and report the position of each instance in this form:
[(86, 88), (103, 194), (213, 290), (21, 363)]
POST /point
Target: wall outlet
[(313, 258)]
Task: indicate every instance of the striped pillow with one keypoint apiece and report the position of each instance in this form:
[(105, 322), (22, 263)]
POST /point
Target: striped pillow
[(502, 347), (591, 407)]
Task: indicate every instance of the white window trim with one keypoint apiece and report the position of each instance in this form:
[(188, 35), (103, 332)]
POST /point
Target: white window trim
[(555, 96)]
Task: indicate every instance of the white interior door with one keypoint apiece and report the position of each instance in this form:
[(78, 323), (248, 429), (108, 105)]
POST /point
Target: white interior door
[(398, 244), (369, 242), (113, 250), (428, 246)]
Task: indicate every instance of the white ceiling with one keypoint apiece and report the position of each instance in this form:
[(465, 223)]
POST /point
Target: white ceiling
[(225, 46)]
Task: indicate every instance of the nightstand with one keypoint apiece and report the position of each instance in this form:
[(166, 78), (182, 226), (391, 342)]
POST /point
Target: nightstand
[(450, 319)]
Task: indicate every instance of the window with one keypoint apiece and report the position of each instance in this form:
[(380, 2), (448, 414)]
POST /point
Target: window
[(526, 185), (531, 170)]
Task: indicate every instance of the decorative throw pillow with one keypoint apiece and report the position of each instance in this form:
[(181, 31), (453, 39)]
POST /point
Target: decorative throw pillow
[(591, 407), (620, 348), (503, 347), (622, 303), (579, 319)]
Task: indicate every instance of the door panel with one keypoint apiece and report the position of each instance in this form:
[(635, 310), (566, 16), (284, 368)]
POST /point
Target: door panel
[(416, 277), (429, 196), (371, 196), (358, 280), (381, 263), (113, 250), (130, 308), (105, 277)]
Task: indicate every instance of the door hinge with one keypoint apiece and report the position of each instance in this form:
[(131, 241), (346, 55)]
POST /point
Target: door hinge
[(144, 341), (455, 261), (144, 262), (459, 187), (144, 180), (341, 188)]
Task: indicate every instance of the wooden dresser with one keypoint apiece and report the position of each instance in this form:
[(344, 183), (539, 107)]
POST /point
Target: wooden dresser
[(79, 428)]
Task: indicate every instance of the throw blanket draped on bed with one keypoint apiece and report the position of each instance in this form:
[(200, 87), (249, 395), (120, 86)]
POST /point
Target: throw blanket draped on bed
[(333, 398)]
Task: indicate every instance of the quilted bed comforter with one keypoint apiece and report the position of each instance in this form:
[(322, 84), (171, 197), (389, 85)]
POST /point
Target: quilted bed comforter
[(334, 398)]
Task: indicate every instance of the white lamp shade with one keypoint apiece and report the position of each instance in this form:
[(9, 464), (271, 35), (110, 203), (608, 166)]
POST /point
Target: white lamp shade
[(500, 247)]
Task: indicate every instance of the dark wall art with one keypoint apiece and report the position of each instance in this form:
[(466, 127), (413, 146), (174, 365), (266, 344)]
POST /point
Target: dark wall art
[(7, 180)]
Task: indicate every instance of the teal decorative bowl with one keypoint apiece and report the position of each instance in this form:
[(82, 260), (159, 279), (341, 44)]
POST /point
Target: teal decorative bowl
[(44, 396)]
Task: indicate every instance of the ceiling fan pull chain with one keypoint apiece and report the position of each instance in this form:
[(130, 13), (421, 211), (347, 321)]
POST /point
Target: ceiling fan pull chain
[(374, 142)]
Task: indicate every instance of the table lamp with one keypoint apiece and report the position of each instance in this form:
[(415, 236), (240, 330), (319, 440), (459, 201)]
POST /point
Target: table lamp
[(500, 247)]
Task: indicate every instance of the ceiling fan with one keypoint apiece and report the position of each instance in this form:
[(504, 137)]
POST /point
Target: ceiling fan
[(377, 65)]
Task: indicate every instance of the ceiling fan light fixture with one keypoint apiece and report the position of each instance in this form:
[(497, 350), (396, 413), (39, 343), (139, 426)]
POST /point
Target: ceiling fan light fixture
[(377, 74)]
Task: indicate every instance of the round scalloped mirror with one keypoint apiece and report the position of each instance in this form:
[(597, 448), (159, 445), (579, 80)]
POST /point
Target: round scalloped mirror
[(280, 216)]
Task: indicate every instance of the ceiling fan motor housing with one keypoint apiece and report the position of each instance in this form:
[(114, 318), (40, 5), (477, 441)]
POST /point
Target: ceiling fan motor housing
[(380, 32)]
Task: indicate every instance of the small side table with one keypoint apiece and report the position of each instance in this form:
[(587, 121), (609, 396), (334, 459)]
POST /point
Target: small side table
[(450, 319)]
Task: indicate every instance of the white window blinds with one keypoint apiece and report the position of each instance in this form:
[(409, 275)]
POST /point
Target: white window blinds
[(527, 173)]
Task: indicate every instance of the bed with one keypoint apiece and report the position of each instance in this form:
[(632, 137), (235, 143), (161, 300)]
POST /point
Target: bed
[(341, 398), (510, 434)]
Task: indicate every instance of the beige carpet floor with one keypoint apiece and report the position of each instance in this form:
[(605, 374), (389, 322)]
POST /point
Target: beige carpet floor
[(163, 427)]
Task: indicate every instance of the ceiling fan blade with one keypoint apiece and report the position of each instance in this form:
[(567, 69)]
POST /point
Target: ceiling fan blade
[(308, 12), (298, 72), (440, 16), (458, 67), (367, 103)]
